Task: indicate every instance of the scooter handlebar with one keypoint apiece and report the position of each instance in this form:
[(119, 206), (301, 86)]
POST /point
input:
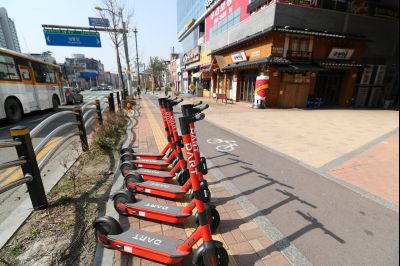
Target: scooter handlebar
[(198, 103), (199, 117), (202, 108)]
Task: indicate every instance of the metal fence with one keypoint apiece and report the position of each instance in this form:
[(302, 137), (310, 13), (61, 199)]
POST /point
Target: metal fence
[(85, 115)]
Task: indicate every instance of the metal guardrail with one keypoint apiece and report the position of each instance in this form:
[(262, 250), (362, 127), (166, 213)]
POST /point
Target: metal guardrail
[(39, 128), (22, 141), (53, 150), (26, 179), (10, 164), (9, 143)]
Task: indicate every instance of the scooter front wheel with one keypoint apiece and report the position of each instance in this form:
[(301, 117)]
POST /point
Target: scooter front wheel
[(222, 258), (120, 201), (214, 220), (105, 226)]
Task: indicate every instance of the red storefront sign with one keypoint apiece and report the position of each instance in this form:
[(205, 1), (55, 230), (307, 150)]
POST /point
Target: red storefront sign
[(223, 10)]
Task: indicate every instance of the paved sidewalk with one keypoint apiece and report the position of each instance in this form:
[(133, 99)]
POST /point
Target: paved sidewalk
[(243, 239), (358, 148)]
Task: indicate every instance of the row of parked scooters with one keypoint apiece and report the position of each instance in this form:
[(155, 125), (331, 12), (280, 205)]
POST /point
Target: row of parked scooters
[(148, 174)]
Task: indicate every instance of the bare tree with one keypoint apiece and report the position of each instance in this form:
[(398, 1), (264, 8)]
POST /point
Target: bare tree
[(117, 13)]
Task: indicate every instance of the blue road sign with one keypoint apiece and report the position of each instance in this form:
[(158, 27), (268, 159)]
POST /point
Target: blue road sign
[(72, 38), (99, 22)]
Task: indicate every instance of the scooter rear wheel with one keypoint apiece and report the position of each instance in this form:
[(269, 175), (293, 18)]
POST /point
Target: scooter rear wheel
[(127, 166), (132, 178), (222, 258), (126, 157), (106, 228), (127, 150), (120, 201)]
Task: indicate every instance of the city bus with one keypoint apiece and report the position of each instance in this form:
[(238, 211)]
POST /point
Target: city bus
[(27, 84)]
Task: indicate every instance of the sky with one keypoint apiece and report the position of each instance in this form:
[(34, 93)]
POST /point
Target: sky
[(154, 19)]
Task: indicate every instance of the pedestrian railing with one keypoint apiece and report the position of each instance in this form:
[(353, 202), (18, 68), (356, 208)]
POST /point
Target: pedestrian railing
[(85, 116)]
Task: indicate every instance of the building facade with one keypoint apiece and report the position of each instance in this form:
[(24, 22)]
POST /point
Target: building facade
[(340, 53), (83, 72), (8, 33)]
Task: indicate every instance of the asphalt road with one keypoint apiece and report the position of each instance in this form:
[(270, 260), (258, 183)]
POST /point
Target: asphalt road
[(10, 199), (322, 222)]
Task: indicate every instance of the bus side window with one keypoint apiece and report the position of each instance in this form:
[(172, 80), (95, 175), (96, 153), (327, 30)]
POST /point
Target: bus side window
[(25, 74), (8, 69)]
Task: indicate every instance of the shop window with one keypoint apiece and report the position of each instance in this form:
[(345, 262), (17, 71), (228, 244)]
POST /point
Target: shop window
[(8, 69), (226, 23), (299, 47)]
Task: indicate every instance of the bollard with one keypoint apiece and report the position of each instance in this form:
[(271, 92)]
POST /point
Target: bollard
[(25, 151), (119, 101), (111, 103), (81, 127), (98, 108)]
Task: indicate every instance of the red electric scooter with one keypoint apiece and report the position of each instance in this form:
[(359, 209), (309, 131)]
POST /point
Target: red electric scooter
[(179, 170), (166, 152), (126, 204), (135, 183), (158, 164), (164, 249)]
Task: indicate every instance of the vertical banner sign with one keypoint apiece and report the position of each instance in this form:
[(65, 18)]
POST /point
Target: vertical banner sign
[(262, 84)]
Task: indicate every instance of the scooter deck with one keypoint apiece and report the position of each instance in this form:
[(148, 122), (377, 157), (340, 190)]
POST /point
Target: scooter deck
[(149, 245), (161, 189), (154, 175), (157, 211), (152, 164), (149, 156)]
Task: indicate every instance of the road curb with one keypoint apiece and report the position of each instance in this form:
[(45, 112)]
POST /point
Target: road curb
[(105, 257)]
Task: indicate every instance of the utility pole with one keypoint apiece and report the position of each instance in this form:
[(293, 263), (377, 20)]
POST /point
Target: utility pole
[(137, 57), (128, 68)]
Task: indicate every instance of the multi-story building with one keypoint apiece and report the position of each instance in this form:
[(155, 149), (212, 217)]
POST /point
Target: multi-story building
[(342, 52), (45, 56), (83, 72), (191, 34), (8, 33)]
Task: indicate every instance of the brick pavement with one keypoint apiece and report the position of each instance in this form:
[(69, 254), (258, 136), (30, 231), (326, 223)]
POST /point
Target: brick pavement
[(245, 242)]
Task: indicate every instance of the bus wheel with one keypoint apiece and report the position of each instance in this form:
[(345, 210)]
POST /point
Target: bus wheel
[(56, 103), (13, 110)]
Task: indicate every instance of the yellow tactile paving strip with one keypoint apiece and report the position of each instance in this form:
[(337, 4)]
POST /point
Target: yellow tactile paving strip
[(161, 142)]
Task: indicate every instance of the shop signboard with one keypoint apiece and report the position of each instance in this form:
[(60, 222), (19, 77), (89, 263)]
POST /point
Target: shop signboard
[(380, 75), (205, 58), (185, 75), (309, 3), (209, 3), (340, 53), (193, 55), (277, 51), (367, 74), (239, 57)]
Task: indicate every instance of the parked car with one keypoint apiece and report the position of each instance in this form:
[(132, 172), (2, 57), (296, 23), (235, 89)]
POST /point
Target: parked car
[(72, 95), (95, 88)]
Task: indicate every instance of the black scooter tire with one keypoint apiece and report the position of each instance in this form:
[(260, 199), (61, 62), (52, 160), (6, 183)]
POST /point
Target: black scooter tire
[(106, 226), (126, 157), (127, 166), (122, 198), (132, 178), (127, 150), (215, 220), (222, 258)]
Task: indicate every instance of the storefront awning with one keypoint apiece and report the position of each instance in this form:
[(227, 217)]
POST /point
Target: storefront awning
[(339, 64), (220, 61), (299, 68)]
